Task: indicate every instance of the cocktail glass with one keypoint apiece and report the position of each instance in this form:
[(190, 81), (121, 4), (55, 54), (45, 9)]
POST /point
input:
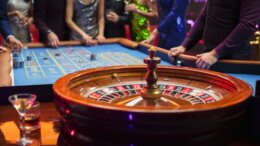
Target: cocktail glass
[(126, 3), (23, 102)]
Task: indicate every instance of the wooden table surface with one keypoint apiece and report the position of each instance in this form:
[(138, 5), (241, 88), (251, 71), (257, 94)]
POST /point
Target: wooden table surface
[(49, 132), (46, 136)]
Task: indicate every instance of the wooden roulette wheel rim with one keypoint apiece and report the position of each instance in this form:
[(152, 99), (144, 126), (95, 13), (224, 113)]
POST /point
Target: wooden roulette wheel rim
[(188, 123)]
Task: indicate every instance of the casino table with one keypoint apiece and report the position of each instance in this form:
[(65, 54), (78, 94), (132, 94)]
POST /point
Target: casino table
[(49, 135), (48, 64), (45, 65)]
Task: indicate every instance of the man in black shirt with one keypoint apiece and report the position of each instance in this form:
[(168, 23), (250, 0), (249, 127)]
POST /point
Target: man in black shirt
[(116, 18), (225, 26)]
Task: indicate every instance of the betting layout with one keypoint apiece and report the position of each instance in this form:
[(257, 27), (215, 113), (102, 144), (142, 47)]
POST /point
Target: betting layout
[(49, 63)]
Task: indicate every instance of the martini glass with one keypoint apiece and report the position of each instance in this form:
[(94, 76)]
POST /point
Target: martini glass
[(126, 3), (22, 102)]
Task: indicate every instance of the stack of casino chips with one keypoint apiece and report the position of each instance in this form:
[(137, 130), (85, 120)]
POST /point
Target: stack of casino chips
[(17, 63)]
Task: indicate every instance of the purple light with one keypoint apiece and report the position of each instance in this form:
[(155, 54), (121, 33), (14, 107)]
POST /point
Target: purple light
[(190, 22), (67, 111), (130, 117), (200, 1), (130, 126), (257, 26), (72, 132)]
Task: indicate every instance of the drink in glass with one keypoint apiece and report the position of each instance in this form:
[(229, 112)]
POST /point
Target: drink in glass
[(126, 3), (22, 103), (32, 118)]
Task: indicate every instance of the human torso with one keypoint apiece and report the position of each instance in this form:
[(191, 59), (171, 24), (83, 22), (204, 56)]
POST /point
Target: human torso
[(116, 6), (222, 16), (172, 14), (55, 17), (85, 15), (21, 32), (139, 24), (165, 8), (18, 5), (115, 29)]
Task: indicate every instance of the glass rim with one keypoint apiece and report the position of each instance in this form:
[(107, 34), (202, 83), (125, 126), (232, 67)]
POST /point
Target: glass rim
[(36, 103), (16, 96)]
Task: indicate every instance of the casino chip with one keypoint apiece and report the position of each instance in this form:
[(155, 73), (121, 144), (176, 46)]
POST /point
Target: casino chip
[(92, 57)]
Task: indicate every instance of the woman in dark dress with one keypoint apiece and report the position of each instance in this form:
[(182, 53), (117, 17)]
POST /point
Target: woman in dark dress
[(115, 18)]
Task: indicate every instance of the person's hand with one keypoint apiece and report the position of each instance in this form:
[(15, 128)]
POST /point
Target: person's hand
[(23, 20), (205, 60), (28, 22), (14, 43), (53, 39), (87, 39), (131, 8), (2, 49), (175, 52), (151, 37), (148, 41), (112, 16), (100, 38)]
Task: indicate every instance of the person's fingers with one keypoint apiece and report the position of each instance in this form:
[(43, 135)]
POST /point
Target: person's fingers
[(11, 46), (3, 49), (144, 41), (175, 52), (208, 66), (25, 24), (199, 55), (86, 41), (52, 43), (200, 63), (112, 13), (204, 65), (171, 58), (109, 15), (98, 39), (109, 18), (19, 46), (101, 39), (55, 43)]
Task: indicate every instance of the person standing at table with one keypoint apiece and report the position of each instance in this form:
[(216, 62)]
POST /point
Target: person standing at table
[(86, 20), (5, 28), (115, 18), (172, 29), (20, 18), (141, 11), (49, 18), (225, 26)]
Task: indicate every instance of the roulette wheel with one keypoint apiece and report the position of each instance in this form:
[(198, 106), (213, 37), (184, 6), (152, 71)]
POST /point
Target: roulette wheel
[(150, 105)]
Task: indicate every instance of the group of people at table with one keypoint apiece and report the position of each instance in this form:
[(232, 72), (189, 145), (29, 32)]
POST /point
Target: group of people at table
[(225, 26)]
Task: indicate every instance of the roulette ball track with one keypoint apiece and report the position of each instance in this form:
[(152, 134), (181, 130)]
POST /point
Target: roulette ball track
[(196, 107)]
